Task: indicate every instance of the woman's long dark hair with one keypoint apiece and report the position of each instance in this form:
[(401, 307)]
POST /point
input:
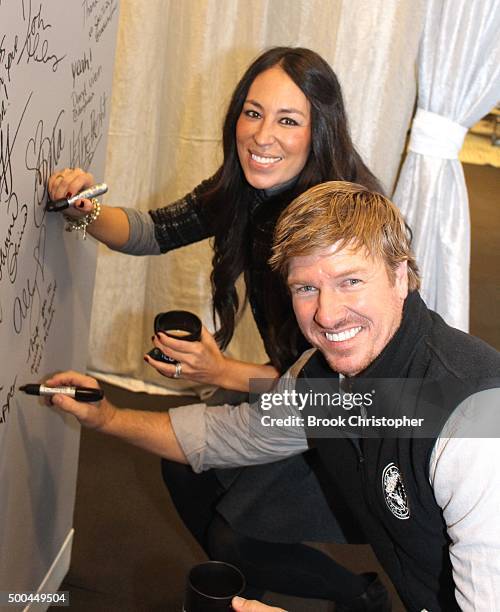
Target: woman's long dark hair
[(332, 157)]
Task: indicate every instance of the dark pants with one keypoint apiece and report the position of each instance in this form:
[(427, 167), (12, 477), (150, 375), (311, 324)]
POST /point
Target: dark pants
[(293, 569)]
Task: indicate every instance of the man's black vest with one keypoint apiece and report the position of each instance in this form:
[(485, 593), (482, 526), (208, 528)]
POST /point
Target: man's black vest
[(383, 483)]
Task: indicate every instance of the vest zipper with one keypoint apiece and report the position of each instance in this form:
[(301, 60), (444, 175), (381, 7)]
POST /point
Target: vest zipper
[(359, 453)]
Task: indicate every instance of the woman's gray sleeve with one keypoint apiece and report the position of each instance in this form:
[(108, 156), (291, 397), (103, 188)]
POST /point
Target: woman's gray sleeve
[(142, 239)]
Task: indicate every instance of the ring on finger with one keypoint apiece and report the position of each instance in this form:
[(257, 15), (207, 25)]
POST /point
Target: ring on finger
[(59, 176), (178, 370)]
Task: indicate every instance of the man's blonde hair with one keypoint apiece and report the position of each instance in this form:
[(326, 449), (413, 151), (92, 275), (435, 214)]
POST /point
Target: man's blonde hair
[(348, 215)]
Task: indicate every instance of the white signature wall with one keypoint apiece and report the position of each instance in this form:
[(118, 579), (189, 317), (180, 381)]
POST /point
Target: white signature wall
[(56, 62)]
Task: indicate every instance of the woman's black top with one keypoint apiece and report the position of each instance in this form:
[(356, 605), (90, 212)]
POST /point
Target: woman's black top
[(190, 220)]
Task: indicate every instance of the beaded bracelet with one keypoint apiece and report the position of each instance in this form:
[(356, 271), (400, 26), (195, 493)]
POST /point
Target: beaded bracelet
[(80, 225)]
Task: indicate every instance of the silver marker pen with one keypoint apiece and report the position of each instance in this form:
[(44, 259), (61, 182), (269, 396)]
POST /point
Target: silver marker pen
[(91, 192)]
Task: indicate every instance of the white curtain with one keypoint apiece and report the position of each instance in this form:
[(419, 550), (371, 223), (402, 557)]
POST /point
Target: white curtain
[(176, 66), (459, 82)]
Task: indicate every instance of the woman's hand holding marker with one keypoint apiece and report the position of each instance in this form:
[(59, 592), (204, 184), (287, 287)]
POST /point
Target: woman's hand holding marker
[(67, 183)]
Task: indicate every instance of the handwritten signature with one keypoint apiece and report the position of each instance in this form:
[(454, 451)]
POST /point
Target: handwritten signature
[(41, 332), (42, 156), (7, 56), (28, 303), (102, 20), (6, 148), (9, 250), (5, 408), (84, 143), (88, 8), (81, 100), (81, 65), (36, 45)]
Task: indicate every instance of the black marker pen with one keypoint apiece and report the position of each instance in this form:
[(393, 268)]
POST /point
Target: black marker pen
[(80, 394), (91, 192)]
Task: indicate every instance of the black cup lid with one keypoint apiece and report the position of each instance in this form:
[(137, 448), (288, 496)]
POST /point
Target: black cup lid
[(182, 320), (216, 580)]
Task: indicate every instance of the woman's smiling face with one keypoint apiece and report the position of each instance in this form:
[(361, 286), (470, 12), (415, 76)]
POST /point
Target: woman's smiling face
[(273, 132)]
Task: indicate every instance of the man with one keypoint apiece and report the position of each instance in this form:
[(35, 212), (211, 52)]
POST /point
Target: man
[(427, 502)]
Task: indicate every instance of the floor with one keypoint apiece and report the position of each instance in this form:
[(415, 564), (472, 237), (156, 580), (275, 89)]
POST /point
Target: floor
[(483, 183)]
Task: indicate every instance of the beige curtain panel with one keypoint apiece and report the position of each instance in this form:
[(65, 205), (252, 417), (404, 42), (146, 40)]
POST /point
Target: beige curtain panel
[(176, 66)]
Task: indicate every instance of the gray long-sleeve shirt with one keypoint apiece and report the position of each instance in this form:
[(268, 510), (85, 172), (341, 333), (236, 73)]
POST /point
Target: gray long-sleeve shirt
[(232, 436)]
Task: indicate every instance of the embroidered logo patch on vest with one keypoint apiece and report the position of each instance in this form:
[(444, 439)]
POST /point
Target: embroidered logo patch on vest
[(394, 492)]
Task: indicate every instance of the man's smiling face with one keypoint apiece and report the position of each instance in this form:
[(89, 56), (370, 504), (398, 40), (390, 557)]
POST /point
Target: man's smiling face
[(347, 304)]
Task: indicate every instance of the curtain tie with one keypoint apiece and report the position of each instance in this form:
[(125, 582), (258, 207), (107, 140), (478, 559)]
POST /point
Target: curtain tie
[(436, 135)]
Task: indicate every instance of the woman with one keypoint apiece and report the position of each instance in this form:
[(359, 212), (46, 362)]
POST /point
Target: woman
[(285, 130)]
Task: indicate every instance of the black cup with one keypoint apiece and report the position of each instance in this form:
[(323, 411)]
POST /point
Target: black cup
[(179, 324), (211, 586)]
